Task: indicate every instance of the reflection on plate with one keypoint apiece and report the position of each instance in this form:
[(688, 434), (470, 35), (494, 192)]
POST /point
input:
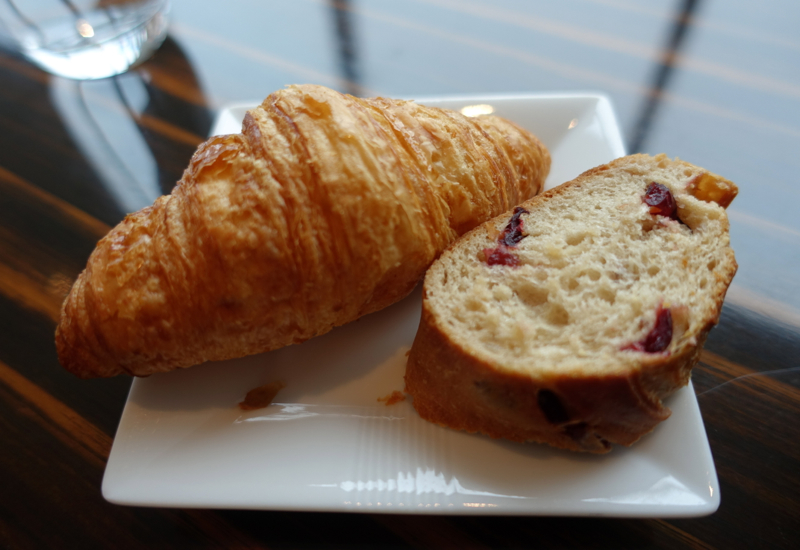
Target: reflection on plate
[(328, 444)]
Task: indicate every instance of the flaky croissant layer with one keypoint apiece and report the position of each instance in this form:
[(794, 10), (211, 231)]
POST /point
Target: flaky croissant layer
[(325, 208)]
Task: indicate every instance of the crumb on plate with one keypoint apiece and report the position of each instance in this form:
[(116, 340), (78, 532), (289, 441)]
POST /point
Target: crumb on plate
[(262, 396)]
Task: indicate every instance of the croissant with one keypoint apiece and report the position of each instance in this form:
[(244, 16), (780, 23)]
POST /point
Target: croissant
[(325, 208)]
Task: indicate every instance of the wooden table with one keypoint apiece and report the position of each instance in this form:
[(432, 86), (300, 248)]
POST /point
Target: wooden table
[(715, 83)]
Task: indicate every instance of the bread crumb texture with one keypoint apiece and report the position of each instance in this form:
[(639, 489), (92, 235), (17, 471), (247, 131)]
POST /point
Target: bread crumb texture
[(595, 265), (571, 327)]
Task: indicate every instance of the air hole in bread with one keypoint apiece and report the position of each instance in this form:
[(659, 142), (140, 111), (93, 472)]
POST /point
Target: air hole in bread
[(576, 238), (648, 224), (569, 283), (531, 294), (475, 303), (703, 282), (653, 270), (557, 315), (558, 263), (593, 274), (712, 264), (607, 295)]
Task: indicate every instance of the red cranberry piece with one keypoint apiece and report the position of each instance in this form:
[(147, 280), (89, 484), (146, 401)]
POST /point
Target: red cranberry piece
[(510, 237), (512, 234), (500, 255), (661, 201), (659, 338)]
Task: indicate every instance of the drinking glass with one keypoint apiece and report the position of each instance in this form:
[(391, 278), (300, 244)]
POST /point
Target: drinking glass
[(84, 39)]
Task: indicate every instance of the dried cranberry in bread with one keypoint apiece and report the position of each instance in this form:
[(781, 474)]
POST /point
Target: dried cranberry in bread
[(570, 319)]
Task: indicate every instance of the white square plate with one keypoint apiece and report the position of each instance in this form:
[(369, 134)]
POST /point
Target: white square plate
[(328, 444)]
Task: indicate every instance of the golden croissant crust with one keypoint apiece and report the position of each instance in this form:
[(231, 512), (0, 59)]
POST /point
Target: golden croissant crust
[(325, 208)]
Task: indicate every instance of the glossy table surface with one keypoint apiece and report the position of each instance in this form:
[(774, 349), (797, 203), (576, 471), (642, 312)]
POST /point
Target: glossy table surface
[(713, 82)]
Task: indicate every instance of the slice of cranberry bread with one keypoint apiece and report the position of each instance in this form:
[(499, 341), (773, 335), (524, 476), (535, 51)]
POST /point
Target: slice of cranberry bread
[(570, 319)]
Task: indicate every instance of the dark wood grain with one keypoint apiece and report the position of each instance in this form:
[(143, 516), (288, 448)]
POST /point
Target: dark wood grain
[(731, 101)]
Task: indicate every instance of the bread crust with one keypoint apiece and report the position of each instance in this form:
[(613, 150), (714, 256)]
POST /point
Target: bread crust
[(456, 389), (325, 208), (454, 384)]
